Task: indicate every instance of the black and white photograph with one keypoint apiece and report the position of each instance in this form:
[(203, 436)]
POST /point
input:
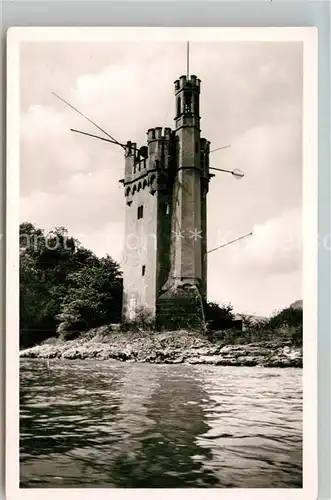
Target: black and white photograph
[(160, 185)]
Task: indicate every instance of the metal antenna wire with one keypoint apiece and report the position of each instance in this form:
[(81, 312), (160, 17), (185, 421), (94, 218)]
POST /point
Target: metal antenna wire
[(88, 119)]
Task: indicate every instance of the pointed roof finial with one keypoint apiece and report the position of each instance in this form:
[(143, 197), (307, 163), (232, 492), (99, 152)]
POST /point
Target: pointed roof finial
[(188, 60)]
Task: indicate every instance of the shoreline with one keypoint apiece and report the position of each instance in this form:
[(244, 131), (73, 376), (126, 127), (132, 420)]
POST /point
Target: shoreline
[(168, 348)]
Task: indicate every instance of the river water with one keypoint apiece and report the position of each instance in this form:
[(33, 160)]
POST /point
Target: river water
[(91, 424)]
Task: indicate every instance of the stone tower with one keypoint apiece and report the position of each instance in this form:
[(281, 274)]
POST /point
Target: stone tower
[(166, 185)]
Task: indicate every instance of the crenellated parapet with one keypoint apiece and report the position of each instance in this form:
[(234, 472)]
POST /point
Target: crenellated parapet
[(184, 83), (159, 133), (160, 147), (148, 167), (187, 92)]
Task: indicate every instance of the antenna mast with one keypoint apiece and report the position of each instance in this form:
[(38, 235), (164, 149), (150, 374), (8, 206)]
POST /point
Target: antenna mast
[(188, 60), (230, 242)]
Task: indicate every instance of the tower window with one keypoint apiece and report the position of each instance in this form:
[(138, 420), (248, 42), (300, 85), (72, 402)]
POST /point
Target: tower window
[(143, 270), (140, 212), (196, 104), (188, 103), (196, 147), (167, 209), (178, 106)]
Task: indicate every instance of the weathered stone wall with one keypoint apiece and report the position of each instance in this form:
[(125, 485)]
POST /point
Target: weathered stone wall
[(147, 239), (164, 238), (140, 250), (180, 307)]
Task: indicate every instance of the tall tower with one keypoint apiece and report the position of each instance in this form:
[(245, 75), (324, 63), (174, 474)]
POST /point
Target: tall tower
[(185, 291), (166, 185)]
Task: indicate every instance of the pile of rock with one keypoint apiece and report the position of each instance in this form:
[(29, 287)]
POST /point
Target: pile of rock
[(170, 348)]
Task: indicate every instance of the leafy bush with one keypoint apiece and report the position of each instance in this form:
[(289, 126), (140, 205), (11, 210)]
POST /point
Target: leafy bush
[(64, 287), (219, 317), (144, 321), (284, 326), (93, 298)]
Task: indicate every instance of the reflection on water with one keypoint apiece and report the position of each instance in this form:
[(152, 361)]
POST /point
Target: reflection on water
[(89, 424)]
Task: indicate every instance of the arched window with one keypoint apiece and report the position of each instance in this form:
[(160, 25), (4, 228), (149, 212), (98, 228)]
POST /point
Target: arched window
[(178, 106), (152, 184)]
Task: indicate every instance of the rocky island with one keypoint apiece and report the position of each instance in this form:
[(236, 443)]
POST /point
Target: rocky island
[(167, 347)]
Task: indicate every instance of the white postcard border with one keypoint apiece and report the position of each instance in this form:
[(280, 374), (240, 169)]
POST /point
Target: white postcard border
[(308, 36)]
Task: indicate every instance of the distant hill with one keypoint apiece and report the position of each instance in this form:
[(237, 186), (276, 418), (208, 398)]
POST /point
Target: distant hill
[(252, 317), (297, 304)]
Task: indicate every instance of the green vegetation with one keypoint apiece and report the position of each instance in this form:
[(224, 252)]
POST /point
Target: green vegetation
[(284, 327), (65, 289)]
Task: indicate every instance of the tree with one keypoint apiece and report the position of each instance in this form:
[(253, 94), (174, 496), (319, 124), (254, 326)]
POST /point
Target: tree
[(38, 298), (94, 298), (219, 317), (287, 317), (62, 281)]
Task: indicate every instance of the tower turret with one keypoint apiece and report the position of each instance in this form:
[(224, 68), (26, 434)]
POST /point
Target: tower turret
[(187, 262), (187, 93), (185, 290)]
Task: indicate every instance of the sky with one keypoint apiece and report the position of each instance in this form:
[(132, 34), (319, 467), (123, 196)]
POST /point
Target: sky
[(251, 99)]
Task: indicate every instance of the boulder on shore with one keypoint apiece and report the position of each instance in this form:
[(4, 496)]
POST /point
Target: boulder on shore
[(167, 347)]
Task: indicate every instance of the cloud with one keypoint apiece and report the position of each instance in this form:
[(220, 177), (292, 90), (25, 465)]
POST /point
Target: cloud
[(260, 295), (48, 150), (261, 273), (106, 240), (86, 203), (275, 246)]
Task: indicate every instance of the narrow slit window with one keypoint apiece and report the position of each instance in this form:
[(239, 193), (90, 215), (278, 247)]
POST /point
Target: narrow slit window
[(143, 270), (178, 106), (140, 212), (167, 209)]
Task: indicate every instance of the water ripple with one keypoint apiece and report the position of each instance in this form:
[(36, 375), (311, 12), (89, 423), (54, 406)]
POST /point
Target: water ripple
[(109, 424)]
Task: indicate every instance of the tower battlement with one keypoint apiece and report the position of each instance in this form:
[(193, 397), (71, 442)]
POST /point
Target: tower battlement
[(187, 83), (159, 133), (149, 166), (136, 161)]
